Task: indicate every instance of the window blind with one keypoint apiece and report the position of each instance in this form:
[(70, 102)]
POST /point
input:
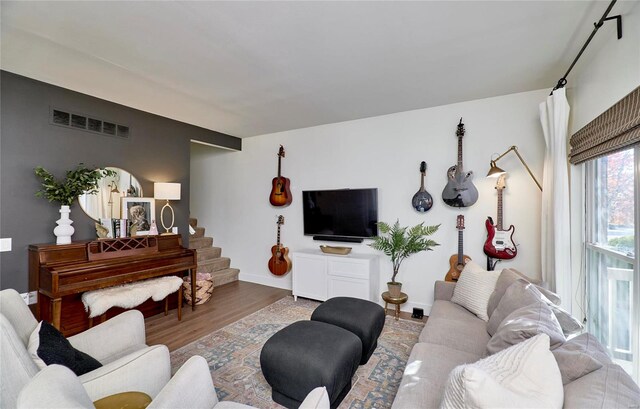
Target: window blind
[(615, 129)]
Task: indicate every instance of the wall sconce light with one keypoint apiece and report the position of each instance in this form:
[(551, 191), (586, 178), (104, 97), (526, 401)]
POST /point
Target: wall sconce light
[(495, 171), (166, 191)]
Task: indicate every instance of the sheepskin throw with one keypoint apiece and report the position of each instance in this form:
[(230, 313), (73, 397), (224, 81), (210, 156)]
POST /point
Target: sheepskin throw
[(129, 295)]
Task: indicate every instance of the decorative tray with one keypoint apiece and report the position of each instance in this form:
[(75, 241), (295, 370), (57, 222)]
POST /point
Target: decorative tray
[(343, 251)]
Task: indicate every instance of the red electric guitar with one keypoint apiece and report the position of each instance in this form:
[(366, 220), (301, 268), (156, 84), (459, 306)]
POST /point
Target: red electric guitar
[(457, 261), (280, 186), (499, 242), (279, 263)]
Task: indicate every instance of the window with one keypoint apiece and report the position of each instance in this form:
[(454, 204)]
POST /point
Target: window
[(612, 277)]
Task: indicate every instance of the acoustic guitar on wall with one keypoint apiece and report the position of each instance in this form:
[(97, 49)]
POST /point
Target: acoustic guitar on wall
[(459, 191), (499, 242), (279, 263), (280, 186), (458, 260)]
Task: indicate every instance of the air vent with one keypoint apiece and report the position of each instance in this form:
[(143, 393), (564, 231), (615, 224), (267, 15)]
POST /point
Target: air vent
[(87, 123)]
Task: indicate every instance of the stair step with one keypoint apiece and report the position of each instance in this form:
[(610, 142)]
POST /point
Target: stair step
[(199, 232), (208, 253), (200, 242), (193, 221), (215, 264), (225, 276)]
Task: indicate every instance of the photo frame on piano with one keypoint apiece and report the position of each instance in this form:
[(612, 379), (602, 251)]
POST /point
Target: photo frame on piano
[(141, 211)]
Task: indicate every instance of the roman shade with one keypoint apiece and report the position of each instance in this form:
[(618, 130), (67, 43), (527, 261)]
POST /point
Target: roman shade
[(615, 129)]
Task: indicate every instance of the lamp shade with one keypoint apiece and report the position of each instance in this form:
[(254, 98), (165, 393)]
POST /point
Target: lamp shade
[(166, 191), (495, 171)]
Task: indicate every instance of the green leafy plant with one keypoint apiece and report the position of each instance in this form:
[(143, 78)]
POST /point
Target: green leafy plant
[(76, 182), (401, 242)]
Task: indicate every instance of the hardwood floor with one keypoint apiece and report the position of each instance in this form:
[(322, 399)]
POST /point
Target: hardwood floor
[(229, 303)]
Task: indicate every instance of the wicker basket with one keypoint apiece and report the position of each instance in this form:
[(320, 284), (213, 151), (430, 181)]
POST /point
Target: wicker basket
[(204, 288)]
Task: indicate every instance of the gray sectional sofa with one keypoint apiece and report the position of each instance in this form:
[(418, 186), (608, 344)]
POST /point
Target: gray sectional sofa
[(454, 336)]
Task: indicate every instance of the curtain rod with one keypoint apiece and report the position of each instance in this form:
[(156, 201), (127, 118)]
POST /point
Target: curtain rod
[(596, 26)]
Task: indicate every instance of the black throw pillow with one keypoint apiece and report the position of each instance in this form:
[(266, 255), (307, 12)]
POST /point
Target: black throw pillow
[(54, 348)]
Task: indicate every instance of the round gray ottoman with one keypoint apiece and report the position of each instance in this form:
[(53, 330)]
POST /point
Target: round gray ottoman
[(361, 317), (308, 354)]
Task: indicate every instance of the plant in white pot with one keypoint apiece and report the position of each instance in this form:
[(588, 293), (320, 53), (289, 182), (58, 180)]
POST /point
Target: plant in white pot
[(77, 181), (398, 243)]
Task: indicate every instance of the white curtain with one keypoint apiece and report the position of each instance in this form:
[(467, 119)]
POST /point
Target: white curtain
[(555, 221)]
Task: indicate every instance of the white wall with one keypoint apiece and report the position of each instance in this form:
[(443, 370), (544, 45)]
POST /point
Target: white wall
[(230, 190), (609, 70)]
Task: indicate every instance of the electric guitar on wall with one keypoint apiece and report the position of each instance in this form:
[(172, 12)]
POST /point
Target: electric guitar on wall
[(279, 263), (422, 200), (459, 191), (499, 242), (280, 186), (457, 261)]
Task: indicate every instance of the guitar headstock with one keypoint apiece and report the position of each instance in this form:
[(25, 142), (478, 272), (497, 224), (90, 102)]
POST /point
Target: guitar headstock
[(280, 220), (460, 131), (281, 152), (500, 184), (423, 168), (460, 222)]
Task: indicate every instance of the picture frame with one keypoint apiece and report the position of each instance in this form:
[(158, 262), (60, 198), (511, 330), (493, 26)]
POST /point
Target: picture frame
[(141, 211)]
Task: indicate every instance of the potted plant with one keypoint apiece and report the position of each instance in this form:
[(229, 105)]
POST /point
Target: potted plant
[(401, 242), (76, 182)]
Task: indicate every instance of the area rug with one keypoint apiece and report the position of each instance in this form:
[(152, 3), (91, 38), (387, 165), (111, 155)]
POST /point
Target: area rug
[(233, 354)]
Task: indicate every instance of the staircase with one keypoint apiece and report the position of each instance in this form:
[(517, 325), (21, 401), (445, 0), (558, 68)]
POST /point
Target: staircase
[(209, 257)]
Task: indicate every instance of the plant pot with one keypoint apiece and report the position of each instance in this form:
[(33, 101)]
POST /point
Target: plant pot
[(394, 289), (64, 230)]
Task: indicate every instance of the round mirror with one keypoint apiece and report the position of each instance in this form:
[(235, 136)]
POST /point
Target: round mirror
[(106, 203)]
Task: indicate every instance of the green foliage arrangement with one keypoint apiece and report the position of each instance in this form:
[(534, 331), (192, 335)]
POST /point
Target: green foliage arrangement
[(400, 242), (77, 181), (624, 242)]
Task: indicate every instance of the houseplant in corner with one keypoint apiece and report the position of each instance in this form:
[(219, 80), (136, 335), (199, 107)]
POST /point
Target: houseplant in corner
[(77, 181), (398, 243)]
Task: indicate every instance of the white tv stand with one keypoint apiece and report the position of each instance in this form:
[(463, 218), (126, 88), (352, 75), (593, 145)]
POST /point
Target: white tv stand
[(321, 276)]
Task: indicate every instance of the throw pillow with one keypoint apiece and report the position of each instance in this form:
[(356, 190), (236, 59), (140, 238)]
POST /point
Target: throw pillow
[(525, 323), (519, 294), (473, 289), (316, 399), (48, 346), (523, 376), (507, 277), (578, 357)]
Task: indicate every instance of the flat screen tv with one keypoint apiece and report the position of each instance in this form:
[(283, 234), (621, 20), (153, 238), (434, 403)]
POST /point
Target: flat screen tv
[(340, 215)]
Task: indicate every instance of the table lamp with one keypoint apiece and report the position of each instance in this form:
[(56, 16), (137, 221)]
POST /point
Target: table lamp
[(166, 191)]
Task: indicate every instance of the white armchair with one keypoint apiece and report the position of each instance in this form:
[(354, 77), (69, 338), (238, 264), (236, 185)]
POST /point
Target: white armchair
[(119, 345)]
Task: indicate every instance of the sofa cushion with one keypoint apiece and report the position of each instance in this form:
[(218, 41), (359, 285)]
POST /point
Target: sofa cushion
[(525, 323), (579, 356), (467, 336), (607, 387), (473, 289), (523, 376), (426, 374)]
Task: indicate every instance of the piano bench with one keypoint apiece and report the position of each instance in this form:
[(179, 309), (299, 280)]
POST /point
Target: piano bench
[(131, 295)]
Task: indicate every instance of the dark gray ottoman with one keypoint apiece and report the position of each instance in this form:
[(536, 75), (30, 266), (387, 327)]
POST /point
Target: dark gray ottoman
[(308, 354), (363, 318)]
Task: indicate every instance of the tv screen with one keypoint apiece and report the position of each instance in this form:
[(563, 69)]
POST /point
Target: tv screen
[(349, 213)]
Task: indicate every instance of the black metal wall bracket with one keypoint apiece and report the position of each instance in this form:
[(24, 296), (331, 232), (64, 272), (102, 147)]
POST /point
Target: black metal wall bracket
[(618, 19)]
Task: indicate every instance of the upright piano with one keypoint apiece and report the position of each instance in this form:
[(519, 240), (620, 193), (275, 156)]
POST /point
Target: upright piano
[(61, 273)]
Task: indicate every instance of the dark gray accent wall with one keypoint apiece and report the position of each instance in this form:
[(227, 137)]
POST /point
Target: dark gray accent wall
[(157, 150)]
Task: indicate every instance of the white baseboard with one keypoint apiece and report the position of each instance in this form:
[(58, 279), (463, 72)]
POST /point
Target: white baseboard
[(277, 282)]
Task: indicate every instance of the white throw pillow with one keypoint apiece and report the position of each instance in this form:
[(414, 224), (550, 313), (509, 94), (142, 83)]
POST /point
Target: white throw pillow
[(525, 375), (473, 289), (316, 399)]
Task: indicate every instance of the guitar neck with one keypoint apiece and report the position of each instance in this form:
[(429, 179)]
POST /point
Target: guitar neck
[(279, 166), (460, 152), (278, 239), (460, 247), (422, 181), (499, 209)]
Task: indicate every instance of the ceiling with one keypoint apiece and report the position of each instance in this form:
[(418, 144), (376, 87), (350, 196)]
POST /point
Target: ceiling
[(250, 68)]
